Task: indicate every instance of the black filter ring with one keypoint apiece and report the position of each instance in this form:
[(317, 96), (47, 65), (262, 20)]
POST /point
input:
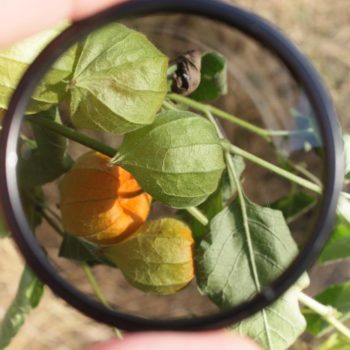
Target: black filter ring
[(254, 27)]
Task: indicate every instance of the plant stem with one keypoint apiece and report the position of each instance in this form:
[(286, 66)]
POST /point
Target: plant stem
[(43, 206), (91, 278), (228, 158), (326, 312), (302, 170), (52, 223), (94, 285), (242, 202), (72, 135), (277, 170), (248, 237), (221, 114), (300, 213), (168, 105), (198, 215), (265, 133)]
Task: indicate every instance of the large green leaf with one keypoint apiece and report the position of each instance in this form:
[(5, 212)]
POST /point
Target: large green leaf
[(29, 293), (246, 248), (16, 59), (213, 77), (119, 82), (178, 159), (337, 296), (277, 326), (47, 158)]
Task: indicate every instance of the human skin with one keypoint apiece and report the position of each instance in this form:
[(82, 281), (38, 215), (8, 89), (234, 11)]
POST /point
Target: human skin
[(174, 341), (22, 18)]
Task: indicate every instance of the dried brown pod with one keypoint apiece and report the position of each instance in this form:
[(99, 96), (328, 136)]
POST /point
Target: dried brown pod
[(187, 75)]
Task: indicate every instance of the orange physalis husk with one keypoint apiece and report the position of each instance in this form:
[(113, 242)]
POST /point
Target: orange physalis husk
[(100, 202)]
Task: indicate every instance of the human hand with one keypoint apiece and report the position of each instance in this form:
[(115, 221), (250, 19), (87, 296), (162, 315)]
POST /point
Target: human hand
[(174, 341), (22, 18)]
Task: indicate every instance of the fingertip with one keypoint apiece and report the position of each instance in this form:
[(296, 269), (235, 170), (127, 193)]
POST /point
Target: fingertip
[(84, 8), (175, 341)]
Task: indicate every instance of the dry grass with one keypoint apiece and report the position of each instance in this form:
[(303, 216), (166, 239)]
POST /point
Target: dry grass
[(322, 30)]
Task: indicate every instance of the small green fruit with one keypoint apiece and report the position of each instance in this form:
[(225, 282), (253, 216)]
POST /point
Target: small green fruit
[(157, 258), (178, 159)]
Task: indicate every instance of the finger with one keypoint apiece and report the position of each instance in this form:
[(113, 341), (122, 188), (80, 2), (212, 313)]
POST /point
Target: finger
[(22, 18), (175, 341), (83, 8)]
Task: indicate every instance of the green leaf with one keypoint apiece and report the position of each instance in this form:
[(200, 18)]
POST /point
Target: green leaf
[(16, 59), (346, 138), (337, 296), (79, 250), (277, 326), (178, 159), (48, 158), (335, 342), (338, 246), (255, 258), (213, 78), (119, 82), (4, 232), (293, 204), (250, 250), (28, 296), (343, 207)]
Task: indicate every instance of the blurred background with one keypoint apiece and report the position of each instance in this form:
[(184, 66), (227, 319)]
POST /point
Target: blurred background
[(322, 30)]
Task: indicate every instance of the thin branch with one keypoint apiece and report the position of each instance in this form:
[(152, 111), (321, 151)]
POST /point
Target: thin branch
[(221, 114), (72, 135), (302, 170), (198, 215), (274, 168), (328, 313)]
